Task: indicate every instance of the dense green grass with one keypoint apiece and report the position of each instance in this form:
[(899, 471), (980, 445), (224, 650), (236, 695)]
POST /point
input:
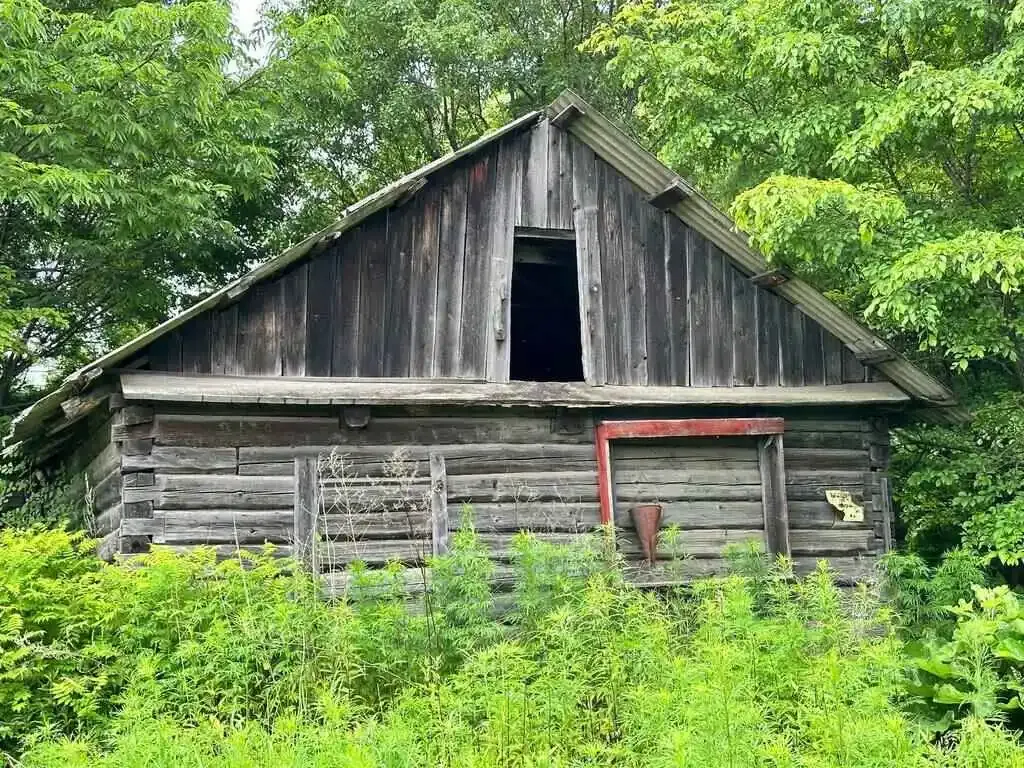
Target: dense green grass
[(182, 662)]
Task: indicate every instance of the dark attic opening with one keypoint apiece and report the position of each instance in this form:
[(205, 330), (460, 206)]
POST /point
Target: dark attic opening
[(545, 342)]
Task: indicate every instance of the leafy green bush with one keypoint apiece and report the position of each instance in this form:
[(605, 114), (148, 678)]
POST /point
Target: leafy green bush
[(183, 661)]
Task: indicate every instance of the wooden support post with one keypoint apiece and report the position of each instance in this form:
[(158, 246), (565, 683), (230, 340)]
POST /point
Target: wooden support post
[(886, 497), (438, 504), (306, 507), (773, 494)]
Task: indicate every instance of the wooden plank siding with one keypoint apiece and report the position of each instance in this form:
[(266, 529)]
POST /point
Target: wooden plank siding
[(422, 289), (228, 478)]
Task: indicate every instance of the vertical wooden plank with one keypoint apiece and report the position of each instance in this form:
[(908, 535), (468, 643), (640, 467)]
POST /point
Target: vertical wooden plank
[(306, 506), (165, 352), (853, 371), (438, 504), (698, 277), (225, 342), (555, 137), (451, 263), (657, 322), (535, 178), (886, 502), (401, 246), (614, 293), (373, 292), (424, 282), (502, 239), (259, 343), (345, 332), (676, 238), (769, 310), (792, 345), (771, 460), (565, 211), (633, 248), (197, 344), (476, 273), (813, 353), (588, 262), (744, 330), (320, 314), (293, 314), (832, 349), (720, 293)]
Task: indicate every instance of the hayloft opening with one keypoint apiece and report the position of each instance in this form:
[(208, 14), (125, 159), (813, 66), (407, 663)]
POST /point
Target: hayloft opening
[(545, 342)]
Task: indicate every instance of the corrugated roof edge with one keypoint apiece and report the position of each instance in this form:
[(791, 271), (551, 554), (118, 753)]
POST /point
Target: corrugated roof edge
[(25, 422), (623, 153)]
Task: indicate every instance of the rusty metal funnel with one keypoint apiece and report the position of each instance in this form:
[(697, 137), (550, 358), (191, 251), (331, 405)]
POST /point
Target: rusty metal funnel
[(647, 522)]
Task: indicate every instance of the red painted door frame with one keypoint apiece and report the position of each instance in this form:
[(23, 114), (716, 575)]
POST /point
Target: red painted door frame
[(653, 428)]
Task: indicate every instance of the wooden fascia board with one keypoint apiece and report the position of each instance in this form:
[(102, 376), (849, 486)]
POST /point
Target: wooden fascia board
[(29, 420), (623, 153), (151, 386)]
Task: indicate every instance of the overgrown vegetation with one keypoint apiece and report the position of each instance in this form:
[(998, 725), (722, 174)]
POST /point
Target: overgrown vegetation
[(178, 660)]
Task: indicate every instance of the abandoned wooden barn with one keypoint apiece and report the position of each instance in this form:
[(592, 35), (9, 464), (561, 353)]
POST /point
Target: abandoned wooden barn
[(547, 325)]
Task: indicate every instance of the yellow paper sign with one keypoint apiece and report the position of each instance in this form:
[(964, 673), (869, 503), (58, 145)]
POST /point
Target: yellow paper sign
[(843, 501)]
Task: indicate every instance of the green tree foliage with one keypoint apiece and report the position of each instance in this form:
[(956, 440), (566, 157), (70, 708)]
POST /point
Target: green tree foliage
[(178, 661), (141, 159), (429, 75), (877, 146)]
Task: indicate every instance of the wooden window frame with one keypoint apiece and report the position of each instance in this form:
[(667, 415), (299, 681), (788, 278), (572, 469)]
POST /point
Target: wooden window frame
[(770, 459)]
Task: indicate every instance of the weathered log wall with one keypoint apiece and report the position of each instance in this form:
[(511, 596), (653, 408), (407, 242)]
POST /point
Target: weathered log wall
[(423, 289), (227, 479)]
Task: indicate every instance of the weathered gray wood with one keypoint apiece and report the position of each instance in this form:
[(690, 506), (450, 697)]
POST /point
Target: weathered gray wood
[(438, 504), (293, 321), (690, 515), (107, 491), (225, 526), (839, 541), (346, 330), (197, 344), (853, 370), (769, 311), (886, 510), (259, 341), (587, 221), (658, 320), (534, 208), (549, 516), (451, 265), (678, 318), (320, 302), (526, 486), (744, 329), (832, 350), (616, 320), (632, 210), (106, 521), (720, 286), (373, 296), (792, 345), (417, 391), (424, 285), (674, 192), (705, 475), (305, 510), (508, 187), (215, 492), (103, 463), (224, 354), (702, 337), (180, 460), (165, 352), (382, 522), (813, 354), (476, 326), (401, 246), (697, 543), (774, 495)]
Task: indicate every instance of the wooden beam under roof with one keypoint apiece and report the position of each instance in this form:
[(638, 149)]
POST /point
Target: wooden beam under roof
[(152, 386)]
